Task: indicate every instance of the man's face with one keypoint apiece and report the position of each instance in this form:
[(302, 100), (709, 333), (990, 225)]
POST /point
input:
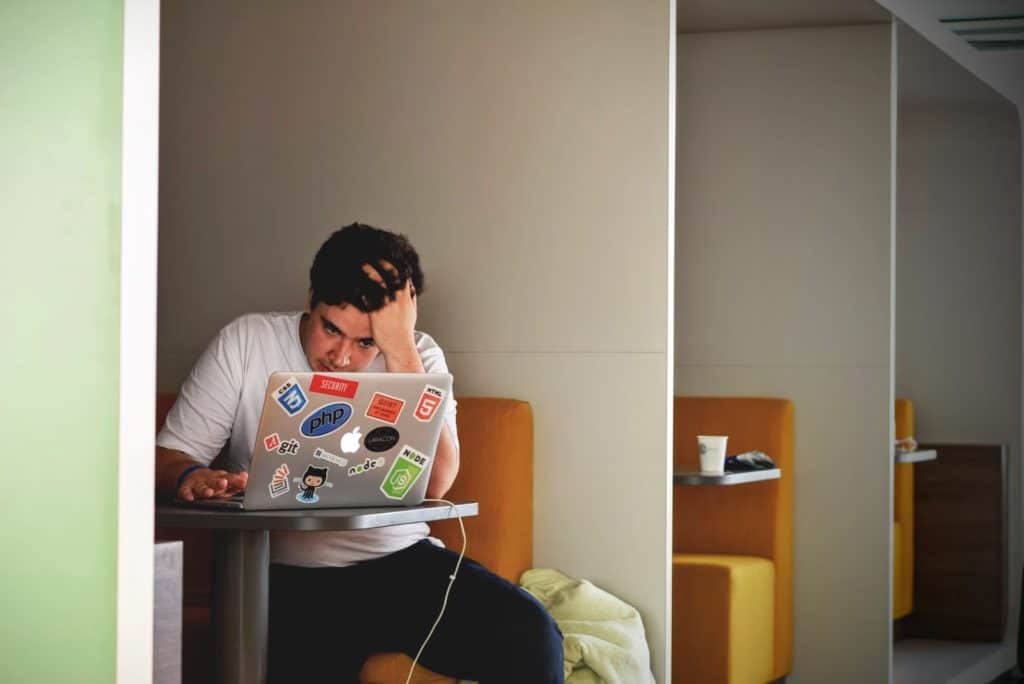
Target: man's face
[(337, 338)]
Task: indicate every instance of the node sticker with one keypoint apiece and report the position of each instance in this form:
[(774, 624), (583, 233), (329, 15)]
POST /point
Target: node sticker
[(385, 408), (404, 472), (328, 456), (290, 397), (338, 387), (311, 480), (279, 483), (428, 403), (366, 466)]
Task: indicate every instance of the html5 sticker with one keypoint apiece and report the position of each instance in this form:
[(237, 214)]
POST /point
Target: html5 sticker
[(385, 408), (428, 403), (271, 442), (337, 387)]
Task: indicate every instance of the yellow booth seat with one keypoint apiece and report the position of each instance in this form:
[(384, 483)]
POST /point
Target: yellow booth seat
[(732, 564), (903, 522), (496, 469)]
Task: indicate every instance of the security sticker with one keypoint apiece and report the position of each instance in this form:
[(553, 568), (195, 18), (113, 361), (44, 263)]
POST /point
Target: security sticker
[(279, 482), (271, 442), (381, 439), (428, 403), (290, 397), (404, 472), (326, 419), (385, 408), (338, 387), (311, 480), (328, 456), (289, 448), (366, 466)]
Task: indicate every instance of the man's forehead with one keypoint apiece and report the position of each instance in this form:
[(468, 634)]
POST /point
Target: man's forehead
[(348, 319)]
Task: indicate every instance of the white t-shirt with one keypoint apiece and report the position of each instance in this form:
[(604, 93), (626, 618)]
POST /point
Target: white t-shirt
[(220, 403)]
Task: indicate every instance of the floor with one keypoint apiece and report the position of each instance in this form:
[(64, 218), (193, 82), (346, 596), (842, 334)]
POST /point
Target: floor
[(925, 661)]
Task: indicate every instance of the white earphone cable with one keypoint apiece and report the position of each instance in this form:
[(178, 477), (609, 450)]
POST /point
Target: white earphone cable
[(451, 581)]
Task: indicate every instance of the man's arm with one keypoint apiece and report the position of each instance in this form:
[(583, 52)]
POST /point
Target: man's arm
[(201, 483)]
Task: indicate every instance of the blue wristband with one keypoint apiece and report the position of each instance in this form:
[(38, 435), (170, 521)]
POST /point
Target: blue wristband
[(186, 471)]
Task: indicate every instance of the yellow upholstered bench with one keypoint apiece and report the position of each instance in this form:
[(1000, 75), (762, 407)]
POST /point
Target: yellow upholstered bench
[(732, 563), (903, 519)]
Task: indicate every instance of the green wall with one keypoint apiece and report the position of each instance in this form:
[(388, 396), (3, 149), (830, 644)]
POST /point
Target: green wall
[(60, 180)]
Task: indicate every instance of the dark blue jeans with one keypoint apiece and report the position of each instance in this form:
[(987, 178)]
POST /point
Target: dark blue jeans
[(325, 622)]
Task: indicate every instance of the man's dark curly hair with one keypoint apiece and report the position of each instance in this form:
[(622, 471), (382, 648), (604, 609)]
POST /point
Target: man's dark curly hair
[(337, 275)]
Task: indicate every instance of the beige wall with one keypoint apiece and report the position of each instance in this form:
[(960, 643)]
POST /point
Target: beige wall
[(524, 148), (958, 277), (783, 235)]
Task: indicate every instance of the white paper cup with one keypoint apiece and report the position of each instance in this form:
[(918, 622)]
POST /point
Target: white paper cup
[(712, 453)]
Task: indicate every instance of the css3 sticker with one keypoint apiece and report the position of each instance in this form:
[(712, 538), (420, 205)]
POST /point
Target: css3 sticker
[(279, 483), (289, 397), (428, 403), (404, 472), (311, 480)]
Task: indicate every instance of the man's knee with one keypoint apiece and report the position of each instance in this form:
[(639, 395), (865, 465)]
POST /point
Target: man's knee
[(539, 646)]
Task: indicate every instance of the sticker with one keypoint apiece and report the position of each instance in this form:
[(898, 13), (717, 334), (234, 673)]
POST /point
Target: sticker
[(429, 401), (381, 439), (384, 407), (328, 456), (279, 483), (289, 397), (350, 441), (271, 442), (366, 466), (289, 448), (338, 387), (326, 419), (310, 481), (404, 472)]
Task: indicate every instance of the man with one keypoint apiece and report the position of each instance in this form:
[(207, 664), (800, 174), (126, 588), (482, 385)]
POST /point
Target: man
[(337, 597)]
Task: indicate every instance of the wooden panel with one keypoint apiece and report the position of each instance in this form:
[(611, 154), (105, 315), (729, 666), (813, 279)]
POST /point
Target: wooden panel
[(960, 545)]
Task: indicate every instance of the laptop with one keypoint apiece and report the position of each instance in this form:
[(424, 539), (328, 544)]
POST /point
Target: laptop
[(334, 440)]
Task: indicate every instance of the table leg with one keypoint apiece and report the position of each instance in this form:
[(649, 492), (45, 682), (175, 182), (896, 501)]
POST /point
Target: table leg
[(241, 602)]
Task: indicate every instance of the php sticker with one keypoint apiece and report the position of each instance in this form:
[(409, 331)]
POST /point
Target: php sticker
[(279, 483), (290, 397), (428, 403), (404, 472), (381, 439), (311, 480), (385, 408), (338, 387), (328, 456), (366, 466), (326, 419), (289, 448), (271, 442)]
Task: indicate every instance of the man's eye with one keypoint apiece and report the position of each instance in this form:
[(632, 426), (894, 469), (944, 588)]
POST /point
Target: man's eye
[(366, 344)]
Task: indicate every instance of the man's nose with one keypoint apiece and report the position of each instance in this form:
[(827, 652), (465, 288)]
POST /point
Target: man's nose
[(342, 353)]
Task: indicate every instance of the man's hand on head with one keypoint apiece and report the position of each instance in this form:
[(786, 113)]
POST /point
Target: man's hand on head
[(204, 483), (393, 324)]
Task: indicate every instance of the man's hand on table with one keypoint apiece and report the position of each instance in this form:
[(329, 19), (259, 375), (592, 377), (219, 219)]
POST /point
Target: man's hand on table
[(204, 483)]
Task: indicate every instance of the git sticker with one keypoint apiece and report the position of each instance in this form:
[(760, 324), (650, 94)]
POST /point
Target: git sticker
[(289, 397), (404, 472), (328, 456), (289, 448), (271, 442), (279, 483), (428, 403), (385, 408)]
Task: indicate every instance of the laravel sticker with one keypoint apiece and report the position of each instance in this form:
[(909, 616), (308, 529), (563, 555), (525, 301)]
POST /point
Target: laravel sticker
[(428, 403), (384, 407), (337, 387)]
